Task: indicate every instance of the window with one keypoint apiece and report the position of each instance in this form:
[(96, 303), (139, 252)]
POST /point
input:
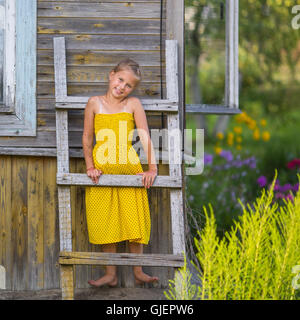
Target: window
[(212, 36), (18, 67), (7, 55)]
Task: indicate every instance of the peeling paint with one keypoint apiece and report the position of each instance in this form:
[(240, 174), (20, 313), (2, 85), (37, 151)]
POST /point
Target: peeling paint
[(83, 37), (98, 25)]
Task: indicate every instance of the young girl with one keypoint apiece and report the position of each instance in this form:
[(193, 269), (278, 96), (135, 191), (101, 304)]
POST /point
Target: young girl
[(117, 214)]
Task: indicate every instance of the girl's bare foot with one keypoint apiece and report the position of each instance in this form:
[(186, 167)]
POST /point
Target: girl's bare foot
[(111, 280), (141, 277)]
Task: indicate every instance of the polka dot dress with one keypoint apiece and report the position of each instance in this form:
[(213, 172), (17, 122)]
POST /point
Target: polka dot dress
[(116, 214)]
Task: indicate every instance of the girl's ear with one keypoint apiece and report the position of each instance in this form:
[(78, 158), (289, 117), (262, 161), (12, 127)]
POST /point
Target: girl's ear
[(111, 74)]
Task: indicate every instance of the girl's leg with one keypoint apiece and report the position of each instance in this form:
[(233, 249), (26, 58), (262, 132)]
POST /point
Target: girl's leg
[(110, 276), (139, 275)]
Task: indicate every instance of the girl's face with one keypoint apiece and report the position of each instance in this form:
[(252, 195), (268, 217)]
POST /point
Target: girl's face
[(122, 83)]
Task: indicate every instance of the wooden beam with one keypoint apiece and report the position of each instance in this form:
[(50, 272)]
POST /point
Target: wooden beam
[(175, 147), (211, 109), (148, 104), (121, 259), (60, 70), (81, 179)]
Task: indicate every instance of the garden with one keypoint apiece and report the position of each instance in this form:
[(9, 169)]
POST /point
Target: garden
[(243, 211)]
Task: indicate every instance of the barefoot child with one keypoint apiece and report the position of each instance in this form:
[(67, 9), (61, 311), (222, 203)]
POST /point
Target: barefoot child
[(117, 214)]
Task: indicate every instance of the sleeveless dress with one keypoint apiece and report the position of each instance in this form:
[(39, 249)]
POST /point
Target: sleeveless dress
[(116, 214)]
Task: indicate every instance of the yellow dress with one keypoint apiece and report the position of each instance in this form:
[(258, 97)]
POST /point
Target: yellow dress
[(116, 214)]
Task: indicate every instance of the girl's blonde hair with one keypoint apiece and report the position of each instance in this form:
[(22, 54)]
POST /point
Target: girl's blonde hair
[(129, 64)]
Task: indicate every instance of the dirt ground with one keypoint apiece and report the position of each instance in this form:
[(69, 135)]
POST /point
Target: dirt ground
[(103, 293)]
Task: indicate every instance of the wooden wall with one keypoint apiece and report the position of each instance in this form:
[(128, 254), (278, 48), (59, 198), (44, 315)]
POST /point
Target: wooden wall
[(29, 234), (98, 34)]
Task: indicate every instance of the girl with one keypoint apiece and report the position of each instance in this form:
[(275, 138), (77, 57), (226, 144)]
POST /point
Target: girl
[(117, 214)]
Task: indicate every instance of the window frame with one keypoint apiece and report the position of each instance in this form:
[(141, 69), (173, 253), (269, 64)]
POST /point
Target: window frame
[(18, 114), (9, 58), (232, 68)]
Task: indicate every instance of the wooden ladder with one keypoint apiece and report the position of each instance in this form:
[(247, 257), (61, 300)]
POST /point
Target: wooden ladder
[(67, 257)]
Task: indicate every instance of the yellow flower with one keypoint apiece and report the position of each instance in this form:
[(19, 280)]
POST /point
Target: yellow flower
[(265, 135), (229, 142), (230, 135), (218, 150), (239, 139), (239, 147), (256, 134), (241, 117), (220, 135), (237, 129), (252, 124), (263, 122)]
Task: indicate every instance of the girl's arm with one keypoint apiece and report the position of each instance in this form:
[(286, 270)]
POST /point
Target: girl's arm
[(143, 132), (88, 133)]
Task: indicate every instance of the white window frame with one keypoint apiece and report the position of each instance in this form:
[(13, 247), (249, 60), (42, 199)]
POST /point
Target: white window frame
[(232, 67), (9, 55), (18, 114)]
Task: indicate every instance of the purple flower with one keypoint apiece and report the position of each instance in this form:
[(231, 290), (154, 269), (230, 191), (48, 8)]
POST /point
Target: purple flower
[(286, 187), (262, 181), (277, 186), (279, 195), (289, 197), (296, 187), (226, 155), (208, 158)]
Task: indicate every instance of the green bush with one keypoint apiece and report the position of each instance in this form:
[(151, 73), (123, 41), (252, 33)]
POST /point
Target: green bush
[(254, 260)]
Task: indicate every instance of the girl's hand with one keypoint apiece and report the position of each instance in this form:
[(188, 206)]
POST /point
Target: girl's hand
[(94, 174), (148, 177)]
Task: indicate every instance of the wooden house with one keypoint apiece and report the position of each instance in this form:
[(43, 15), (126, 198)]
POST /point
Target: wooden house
[(98, 34)]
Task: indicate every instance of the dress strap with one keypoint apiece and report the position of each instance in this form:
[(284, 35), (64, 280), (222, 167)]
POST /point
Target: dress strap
[(100, 106)]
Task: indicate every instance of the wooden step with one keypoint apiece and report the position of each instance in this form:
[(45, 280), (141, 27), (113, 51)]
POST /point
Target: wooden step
[(81, 179), (121, 259)]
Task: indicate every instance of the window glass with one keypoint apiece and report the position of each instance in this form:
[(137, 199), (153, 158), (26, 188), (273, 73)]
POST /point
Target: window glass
[(205, 36)]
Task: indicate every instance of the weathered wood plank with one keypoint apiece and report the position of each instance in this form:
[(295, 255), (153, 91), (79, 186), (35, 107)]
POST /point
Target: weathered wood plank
[(35, 224), (90, 74), (46, 89), (6, 217), (142, 42), (51, 232), (99, 10), (115, 180), (149, 105), (60, 68), (129, 259), (19, 223), (67, 282), (174, 147), (100, 58), (99, 26), (77, 153), (83, 272)]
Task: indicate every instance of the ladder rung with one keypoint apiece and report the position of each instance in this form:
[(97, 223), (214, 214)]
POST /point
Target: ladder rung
[(82, 179), (128, 259), (149, 105)]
